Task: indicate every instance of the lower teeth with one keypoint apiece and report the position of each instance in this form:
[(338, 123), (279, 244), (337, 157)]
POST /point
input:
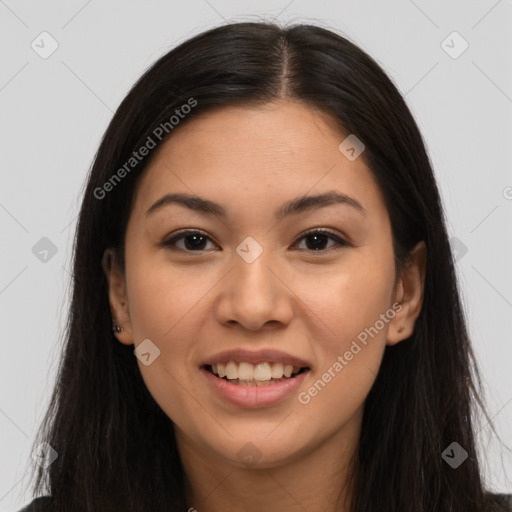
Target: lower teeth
[(254, 382)]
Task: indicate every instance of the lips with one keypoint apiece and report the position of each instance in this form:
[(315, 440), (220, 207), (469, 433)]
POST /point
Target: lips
[(255, 368), (255, 379), (253, 394), (255, 357)]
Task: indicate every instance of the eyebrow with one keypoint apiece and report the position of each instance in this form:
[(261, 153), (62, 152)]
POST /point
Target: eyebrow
[(293, 207)]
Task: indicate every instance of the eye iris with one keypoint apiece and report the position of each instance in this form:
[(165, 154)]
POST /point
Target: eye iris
[(199, 240), (317, 237)]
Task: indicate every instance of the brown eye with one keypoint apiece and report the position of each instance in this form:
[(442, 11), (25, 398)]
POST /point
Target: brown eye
[(194, 241), (318, 239)]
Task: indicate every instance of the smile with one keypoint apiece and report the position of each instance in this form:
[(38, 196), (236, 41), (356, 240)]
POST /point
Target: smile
[(260, 374), (253, 386)]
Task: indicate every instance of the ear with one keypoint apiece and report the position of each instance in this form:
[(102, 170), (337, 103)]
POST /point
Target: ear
[(409, 293), (117, 296)]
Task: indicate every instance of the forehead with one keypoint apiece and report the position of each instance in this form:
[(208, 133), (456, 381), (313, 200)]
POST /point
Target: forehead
[(241, 154)]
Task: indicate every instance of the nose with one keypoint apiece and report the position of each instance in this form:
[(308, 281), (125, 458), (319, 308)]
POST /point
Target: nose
[(254, 295)]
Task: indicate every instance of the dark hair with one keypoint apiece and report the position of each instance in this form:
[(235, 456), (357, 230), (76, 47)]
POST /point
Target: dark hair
[(116, 448)]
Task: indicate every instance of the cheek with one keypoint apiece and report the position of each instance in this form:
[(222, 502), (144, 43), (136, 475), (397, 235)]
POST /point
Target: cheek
[(165, 308), (164, 299), (354, 314), (347, 298)]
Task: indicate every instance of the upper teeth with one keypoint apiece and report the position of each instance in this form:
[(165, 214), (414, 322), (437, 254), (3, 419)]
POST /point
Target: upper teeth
[(248, 371)]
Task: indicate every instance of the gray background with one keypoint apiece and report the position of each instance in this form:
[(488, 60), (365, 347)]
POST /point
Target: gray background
[(54, 111)]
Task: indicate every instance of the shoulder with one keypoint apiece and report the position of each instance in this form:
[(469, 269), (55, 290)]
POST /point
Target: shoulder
[(41, 504), (498, 502)]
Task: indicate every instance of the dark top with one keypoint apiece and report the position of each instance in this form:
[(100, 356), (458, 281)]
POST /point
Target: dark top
[(498, 503), (38, 505)]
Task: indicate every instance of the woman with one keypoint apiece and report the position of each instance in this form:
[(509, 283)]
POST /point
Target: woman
[(265, 312)]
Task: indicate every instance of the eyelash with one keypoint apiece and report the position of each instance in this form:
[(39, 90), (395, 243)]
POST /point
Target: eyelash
[(169, 243)]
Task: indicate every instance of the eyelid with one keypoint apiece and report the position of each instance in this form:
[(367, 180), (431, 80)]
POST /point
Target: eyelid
[(341, 240)]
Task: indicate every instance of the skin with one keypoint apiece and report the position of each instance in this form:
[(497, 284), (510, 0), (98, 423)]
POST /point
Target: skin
[(308, 303)]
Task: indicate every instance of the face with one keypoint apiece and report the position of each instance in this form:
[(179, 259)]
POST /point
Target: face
[(257, 289)]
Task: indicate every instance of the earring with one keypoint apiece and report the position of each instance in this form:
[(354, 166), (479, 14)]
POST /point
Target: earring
[(117, 328)]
